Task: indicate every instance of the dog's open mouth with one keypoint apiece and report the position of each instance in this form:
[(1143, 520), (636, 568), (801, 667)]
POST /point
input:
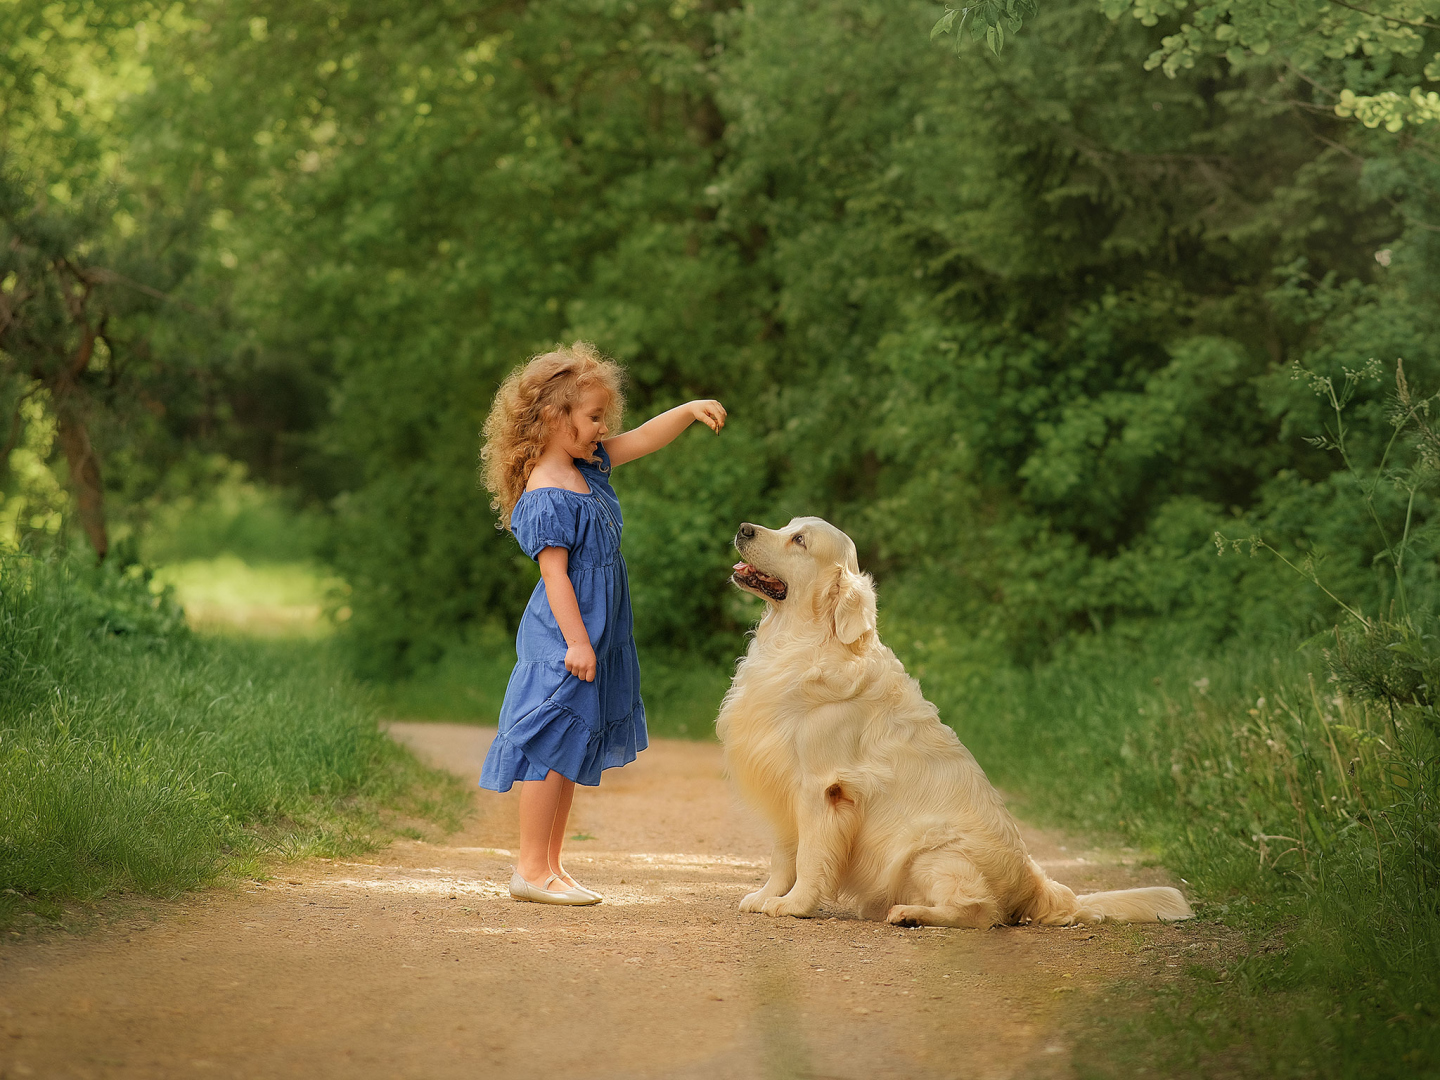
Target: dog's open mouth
[(748, 577)]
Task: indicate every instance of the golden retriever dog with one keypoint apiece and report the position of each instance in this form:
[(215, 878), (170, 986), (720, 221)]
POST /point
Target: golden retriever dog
[(874, 802)]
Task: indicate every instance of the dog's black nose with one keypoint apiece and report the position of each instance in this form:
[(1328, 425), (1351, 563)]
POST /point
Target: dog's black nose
[(747, 531)]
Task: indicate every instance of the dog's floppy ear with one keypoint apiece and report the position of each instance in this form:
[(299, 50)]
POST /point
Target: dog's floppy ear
[(854, 606)]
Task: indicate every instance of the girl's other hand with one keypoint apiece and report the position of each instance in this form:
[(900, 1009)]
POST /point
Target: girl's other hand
[(580, 661), (710, 413)]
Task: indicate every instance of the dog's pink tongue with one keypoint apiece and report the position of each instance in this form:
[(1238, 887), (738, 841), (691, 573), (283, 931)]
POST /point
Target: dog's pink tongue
[(742, 566)]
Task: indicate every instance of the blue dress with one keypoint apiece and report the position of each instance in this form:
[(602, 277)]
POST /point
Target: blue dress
[(551, 719)]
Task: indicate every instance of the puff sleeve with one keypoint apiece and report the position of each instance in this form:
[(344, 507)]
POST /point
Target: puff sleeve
[(544, 518)]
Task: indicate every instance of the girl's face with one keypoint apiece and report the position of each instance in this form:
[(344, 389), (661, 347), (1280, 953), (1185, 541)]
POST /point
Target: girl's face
[(587, 424)]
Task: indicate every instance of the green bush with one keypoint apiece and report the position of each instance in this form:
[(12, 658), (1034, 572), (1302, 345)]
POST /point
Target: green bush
[(1294, 787)]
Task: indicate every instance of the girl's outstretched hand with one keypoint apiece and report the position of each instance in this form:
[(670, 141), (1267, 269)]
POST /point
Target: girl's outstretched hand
[(661, 430), (710, 413), (580, 661)]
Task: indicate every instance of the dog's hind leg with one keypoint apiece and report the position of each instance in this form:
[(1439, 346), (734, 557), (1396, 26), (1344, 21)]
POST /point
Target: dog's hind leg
[(782, 876), (955, 891)]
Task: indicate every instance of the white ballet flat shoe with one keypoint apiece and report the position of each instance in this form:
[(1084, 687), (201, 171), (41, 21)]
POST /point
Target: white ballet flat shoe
[(520, 889), (577, 887)]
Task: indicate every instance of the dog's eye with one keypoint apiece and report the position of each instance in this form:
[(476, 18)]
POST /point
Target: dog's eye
[(798, 538)]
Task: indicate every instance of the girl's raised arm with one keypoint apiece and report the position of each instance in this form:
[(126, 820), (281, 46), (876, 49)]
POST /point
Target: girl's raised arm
[(660, 430)]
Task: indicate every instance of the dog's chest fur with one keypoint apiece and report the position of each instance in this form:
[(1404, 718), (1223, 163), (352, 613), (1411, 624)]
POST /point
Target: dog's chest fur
[(761, 757), (776, 733)]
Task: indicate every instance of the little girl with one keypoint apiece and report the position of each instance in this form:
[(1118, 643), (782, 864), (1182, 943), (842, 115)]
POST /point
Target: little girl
[(573, 704)]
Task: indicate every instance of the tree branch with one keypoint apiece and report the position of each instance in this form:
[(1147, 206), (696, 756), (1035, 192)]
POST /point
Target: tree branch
[(11, 304), (80, 358), (1306, 78), (100, 276), (76, 306), (1388, 18)]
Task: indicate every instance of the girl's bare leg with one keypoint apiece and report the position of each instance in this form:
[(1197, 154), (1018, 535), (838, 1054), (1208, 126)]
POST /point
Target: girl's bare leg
[(557, 830), (539, 812)]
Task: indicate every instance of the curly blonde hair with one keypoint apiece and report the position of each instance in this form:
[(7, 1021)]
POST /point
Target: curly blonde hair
[(530, 402)]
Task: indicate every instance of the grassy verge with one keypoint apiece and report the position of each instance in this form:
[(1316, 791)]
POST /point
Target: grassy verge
[(138, 756), (1301, 817)]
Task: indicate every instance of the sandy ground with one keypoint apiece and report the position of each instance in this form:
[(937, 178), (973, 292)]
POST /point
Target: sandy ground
[(416, 963)]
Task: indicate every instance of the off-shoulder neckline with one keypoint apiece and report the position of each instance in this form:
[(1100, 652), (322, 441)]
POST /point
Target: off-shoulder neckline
[(590, 494), (580, 464)]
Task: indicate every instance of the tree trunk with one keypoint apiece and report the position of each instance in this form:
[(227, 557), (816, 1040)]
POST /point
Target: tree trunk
[(84, 473), (16, 420)]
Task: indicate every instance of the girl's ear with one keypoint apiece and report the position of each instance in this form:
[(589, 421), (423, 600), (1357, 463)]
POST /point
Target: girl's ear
[(854, 606)]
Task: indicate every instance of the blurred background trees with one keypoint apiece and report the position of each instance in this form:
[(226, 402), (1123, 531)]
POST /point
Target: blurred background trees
[(1022, 325)]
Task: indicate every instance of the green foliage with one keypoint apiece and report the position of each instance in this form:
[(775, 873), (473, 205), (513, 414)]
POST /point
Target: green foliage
[(1319, 801), (134, 756), (117, 359), (86, 258), (988, 19), (1020, 328), (1300, 815), (205, 507), (1393, 663), (1389, 658), (1015, 327), (466, 684), (1362, 60)]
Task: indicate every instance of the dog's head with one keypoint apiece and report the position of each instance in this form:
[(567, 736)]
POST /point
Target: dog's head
[(809, 568)]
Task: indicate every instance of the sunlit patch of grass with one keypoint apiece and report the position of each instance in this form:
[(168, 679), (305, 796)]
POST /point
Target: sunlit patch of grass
[(230, 595)]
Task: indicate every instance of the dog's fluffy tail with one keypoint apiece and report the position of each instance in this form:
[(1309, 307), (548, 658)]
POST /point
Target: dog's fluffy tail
[(1055, 905), (1157, 904)]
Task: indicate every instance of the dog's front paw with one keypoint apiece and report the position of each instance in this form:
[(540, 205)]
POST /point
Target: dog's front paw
[(778, 906), (754, 902)]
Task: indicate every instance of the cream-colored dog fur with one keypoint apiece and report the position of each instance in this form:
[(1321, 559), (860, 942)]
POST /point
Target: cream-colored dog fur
[(874, 802)]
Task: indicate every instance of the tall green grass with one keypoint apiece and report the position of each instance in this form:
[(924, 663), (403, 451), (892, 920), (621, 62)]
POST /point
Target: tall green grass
[(135, 755), (1303, 816)]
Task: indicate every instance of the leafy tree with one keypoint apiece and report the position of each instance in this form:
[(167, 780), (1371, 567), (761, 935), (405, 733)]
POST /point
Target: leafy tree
[(1366, 60), (1377, 49), (87, 260), (1021, 327), (1047, 292)]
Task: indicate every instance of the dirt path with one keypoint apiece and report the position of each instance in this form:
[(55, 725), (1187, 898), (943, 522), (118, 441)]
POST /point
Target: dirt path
[(417, 964)]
